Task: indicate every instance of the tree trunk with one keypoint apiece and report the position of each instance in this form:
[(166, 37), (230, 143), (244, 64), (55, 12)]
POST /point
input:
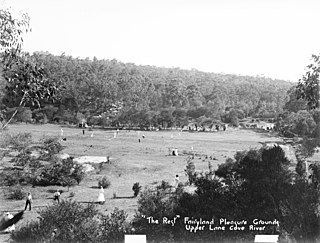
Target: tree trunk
[(20, 105), (5, 125)]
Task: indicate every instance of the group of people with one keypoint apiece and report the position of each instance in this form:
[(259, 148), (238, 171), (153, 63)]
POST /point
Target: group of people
[(101, 197), (57, 194), (101, 200), (5, 219), (29, 199)]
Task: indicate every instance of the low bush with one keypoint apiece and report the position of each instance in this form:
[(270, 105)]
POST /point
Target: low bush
[(136, 189), (104, 182), (157, 204), (15, 193), (62, 173), (68, 182), (50, 147), (164, 185), (70, 222)]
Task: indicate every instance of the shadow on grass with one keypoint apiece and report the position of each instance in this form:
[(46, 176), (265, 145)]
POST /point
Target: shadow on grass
[(54, 190), (123, 197), (96, 187), (88, 202), (258, 130)]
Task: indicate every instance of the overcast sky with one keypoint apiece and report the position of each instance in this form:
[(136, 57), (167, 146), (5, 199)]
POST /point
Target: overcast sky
[(274, 38)]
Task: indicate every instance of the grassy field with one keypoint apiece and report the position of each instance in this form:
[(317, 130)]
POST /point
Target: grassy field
[(147, 162)]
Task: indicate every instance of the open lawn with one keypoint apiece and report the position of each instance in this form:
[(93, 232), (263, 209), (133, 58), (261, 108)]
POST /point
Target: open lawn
[(147, 162)]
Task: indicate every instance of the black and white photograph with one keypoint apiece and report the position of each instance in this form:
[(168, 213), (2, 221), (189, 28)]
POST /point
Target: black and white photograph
[(159, 121)]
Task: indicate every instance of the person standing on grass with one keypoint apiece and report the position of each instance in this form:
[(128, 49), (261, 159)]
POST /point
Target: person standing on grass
[(176, 181), (101, 198), (28, 201), (57, 196)]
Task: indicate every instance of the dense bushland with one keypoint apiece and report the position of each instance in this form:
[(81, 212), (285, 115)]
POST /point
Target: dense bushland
[(63, 173), (43, 169), (132, 95), (257, 184), (72, 222)]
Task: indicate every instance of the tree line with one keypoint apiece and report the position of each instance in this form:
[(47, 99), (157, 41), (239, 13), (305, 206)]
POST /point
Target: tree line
[(125, 93), (301, 114)]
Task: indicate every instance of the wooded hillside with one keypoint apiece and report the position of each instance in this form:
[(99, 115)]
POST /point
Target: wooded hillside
[(148, 96)]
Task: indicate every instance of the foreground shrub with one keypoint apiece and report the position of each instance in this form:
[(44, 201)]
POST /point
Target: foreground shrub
[(114, 226), (256, 184), (104, 182), (157, 204), (72, 222), (27, 233), (191, 171)]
